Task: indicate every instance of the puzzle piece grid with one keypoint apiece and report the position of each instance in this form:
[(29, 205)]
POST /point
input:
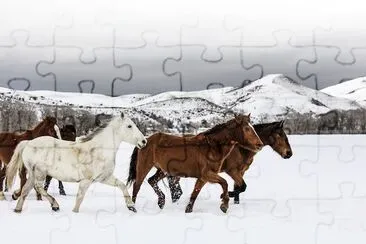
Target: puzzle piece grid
[(64, 61)]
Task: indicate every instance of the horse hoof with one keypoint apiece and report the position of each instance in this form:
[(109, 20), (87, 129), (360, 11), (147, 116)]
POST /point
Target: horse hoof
[(236, 201), (62, 192), (161, 203), (14, 197), (55, 209), (223, 208), (39, 198), (132, 208), (189, 209), (17, 210)]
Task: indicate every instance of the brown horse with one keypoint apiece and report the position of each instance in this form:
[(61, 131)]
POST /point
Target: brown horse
[(199, 156), (9, 140), (240, 159), (68, 133)]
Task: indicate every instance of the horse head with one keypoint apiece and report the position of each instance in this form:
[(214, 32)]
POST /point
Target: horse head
[(244, 134), (278, 140)]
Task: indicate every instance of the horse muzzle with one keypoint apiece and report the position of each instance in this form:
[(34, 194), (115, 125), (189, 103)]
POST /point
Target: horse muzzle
[(141, 144)]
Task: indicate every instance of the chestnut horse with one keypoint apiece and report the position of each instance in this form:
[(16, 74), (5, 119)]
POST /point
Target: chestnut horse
[(200, 156), (68, 133), (9, 140), (239, 160)]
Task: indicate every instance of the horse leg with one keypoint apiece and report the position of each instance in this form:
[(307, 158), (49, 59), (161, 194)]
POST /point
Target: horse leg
[(113, 181), (175, 189), (2, 177), (24, 193), (23, 179), (83, 187), (153, 181), (196, 190), (47, 182), (213, 177), (42, 191), (61, 188), (239, 185), (141, 171)]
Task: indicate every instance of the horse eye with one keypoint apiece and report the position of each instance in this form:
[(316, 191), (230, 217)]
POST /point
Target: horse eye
[(129, 126)]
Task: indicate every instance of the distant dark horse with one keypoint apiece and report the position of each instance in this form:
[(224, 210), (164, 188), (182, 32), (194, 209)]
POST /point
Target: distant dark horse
[(68, 133)]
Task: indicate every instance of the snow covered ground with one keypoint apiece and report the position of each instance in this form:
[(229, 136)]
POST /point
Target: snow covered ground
[(317, 196)]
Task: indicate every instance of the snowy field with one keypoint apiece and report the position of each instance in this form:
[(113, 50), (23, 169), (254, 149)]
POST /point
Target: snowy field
[(317, 196)]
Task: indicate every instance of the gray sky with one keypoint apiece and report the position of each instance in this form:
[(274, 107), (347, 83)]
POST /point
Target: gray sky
[(113, 47)]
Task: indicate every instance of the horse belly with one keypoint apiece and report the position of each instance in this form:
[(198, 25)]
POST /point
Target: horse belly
[(179, 161), (65, 172)]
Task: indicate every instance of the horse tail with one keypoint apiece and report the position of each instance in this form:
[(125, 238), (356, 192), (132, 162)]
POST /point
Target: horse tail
[(132, 172), (15, 164)]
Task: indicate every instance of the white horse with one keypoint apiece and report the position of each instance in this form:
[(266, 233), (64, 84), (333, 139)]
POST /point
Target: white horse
[(92, 159)]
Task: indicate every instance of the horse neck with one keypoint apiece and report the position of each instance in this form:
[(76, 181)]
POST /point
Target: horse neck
[(38, 130), (263, 131), (109, 137), (219, 137), (27, 135)]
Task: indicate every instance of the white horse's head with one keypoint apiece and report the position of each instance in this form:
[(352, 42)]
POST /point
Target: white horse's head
[(130, 132)]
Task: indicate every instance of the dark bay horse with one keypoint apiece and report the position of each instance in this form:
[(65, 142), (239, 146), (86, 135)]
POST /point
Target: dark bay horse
[(68, 133), (9, 140), (200, 156), (239, 160)]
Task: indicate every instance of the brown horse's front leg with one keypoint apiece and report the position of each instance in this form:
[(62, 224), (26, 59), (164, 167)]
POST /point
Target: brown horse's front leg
[(153, 181), (213, 177), (196, 190), (239, 184)]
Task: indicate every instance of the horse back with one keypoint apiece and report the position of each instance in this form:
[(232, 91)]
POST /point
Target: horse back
[(167, 140)]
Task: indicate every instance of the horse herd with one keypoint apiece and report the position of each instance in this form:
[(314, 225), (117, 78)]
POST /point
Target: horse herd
[(47, 152)]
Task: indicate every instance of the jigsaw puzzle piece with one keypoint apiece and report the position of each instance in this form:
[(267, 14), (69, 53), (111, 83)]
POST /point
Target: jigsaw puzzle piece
[(303, 221), (197, 74), (155, 227), (282, 51), (18, 65), (342, 39), (85, 29), (349, 217), (72, 75), (146, 17), (147, 67), (271, 184), (209, 33), (37, 18), (82, 229), (325, 59), (330, 171), (213, 227)]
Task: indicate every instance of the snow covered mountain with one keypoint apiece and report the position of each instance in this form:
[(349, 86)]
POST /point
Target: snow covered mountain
[(271, 98), (353, 89)]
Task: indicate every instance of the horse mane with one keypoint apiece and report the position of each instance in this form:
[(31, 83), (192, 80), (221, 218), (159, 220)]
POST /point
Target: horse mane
[(94, 132), (265, 125), (214, 129)]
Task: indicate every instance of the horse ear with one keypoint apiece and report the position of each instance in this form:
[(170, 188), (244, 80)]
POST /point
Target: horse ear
[(280, 125), (122, 115)]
